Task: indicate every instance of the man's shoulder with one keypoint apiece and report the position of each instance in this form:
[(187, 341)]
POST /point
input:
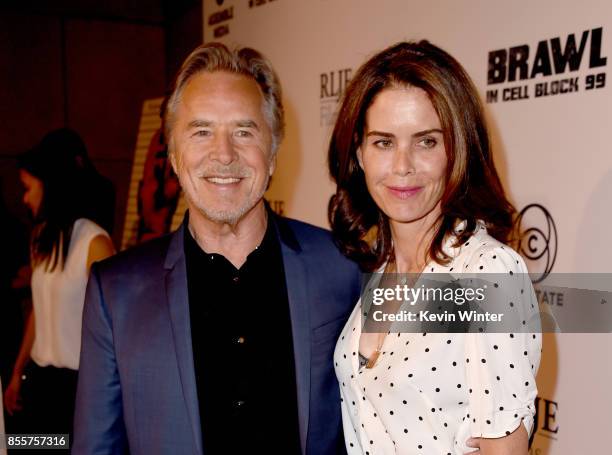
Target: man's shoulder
[(305, 236), (313, 240), (140, 259), (307, 231)]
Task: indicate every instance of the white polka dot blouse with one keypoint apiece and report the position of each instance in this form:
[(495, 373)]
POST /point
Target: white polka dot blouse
[(429, 392)]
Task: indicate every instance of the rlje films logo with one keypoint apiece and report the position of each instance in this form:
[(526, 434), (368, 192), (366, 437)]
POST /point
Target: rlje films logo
[(551, 60), (333, 84), (255, 3), (544, 424)]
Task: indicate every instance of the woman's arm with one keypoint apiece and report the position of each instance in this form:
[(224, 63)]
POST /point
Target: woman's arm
[(514, 444), (11, 395), (100, 248), (509, 360)]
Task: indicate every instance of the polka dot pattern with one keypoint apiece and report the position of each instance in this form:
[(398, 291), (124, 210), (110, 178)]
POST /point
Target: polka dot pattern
[(443, 388)]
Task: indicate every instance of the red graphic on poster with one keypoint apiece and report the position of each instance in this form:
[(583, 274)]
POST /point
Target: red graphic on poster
[(158, 191)]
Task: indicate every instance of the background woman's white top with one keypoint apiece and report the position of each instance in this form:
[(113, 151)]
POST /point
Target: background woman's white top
[(58, 298), (429, 392)]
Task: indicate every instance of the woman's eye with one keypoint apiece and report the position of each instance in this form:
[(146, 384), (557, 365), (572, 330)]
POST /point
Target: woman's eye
[(383, 143), (428, 142)]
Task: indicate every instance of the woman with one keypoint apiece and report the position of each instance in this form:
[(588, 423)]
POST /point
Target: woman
[(63, 246), (417, 192)]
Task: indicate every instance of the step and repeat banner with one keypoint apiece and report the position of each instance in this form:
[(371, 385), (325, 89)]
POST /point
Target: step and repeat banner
[(543, 71)]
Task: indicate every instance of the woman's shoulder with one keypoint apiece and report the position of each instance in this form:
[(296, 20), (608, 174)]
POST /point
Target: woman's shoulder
[(485, 254), (84, 228)]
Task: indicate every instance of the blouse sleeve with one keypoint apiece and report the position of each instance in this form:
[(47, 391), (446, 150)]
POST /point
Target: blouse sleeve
[(501, 367)]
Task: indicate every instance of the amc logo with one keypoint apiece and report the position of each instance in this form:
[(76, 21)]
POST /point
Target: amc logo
[(538, 240)]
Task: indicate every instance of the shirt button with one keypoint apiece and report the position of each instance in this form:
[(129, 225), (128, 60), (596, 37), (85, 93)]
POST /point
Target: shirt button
[(239, 404), (240, 340), (236, 279)]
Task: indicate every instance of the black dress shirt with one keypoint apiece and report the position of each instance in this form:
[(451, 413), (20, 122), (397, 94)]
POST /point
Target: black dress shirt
[(243, 350)]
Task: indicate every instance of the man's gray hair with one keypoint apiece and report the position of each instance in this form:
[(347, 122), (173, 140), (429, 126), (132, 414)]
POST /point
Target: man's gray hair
[(214, 57)]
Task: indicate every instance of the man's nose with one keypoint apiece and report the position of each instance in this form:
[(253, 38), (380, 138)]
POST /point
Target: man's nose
[(224, 151)]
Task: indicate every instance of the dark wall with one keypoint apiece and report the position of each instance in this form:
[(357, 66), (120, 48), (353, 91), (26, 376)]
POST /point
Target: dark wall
[(184, 32), (32, 94), (88, 65)]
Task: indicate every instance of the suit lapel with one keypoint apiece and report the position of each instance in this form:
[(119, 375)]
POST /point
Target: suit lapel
[(178, 306), (297, 291)]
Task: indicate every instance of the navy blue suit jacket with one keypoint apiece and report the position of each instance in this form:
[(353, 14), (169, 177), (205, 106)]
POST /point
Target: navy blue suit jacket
[(137, 385)]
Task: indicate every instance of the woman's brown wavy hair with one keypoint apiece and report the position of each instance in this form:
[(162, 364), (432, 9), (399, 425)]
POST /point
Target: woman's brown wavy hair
[(473, 189)]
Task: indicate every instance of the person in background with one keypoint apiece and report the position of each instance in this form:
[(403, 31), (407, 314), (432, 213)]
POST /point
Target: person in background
[(96, 192), (14, 300), (14, 257), (64, 243), (418, 192)]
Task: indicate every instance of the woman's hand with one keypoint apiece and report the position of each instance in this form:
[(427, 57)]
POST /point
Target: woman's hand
[(474, 443), (12, 395), (514, 444)]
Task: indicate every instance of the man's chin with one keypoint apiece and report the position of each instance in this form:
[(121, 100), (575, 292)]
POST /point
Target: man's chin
[(224, 215), (224, 211)]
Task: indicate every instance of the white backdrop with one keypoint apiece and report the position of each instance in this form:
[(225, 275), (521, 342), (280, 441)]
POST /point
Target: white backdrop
[(553, 150)]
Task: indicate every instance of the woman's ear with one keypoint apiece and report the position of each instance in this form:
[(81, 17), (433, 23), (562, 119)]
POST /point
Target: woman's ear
[(360, 157)]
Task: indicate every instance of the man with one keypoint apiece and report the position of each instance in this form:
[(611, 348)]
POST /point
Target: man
[(217, 338)]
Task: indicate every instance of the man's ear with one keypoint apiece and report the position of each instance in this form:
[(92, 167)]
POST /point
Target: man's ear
[(172, 156), (272, 166)]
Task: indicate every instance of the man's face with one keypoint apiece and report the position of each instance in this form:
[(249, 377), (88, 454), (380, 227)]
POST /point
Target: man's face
[(221, 146)]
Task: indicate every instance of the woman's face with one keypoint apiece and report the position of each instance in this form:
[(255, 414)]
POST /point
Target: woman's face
[(33, 191), (403, 155)]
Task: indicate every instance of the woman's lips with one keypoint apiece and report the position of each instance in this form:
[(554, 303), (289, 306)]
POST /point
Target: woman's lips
[(404, 192)]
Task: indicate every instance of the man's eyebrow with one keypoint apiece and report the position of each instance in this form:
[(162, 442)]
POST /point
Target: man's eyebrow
[(199, 123), (247, 124)]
